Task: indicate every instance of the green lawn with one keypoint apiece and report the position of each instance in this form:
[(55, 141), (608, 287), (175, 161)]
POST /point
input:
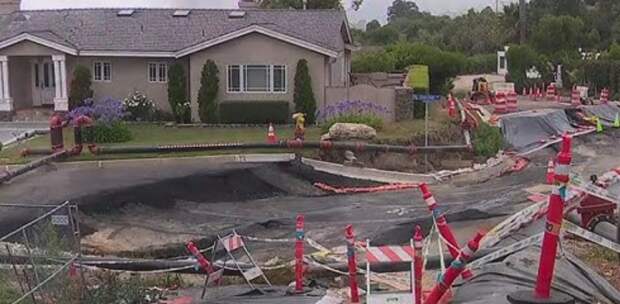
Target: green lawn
[(156, 134)]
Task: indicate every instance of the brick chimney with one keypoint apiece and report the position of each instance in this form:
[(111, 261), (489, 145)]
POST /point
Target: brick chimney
[(9, 6), (245, 4)]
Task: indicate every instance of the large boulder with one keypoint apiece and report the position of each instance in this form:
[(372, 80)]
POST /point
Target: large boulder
[(350, 131)]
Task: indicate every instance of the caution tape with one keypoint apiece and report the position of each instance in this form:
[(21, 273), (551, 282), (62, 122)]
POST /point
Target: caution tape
[(590, 236), (388, 187), (508, 250)]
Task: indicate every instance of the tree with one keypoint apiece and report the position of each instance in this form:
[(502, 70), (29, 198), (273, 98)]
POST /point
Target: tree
[(614, 52), (554, 34), (303, 95), (177, 93), (371, 62), (80, 86), (207, 95), (402, 8), (520, 59), (383, 36), (373, 25)]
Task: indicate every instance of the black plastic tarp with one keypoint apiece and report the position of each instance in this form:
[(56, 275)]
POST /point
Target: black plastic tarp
[(493, 282), (526, 131), (606, 112)]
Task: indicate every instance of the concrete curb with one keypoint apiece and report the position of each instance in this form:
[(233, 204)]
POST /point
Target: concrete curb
[(232, 158), (369, 173)]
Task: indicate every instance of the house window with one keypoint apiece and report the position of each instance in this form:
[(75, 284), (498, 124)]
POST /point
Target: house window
[(102, 71), (279, 78), (234, 78), (158, 72), (256, 78)]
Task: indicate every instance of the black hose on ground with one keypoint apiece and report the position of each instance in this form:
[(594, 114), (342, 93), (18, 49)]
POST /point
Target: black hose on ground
[(9, 175)]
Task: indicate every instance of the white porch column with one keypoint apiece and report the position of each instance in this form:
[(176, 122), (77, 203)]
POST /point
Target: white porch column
[(61, 102), (6, 102)]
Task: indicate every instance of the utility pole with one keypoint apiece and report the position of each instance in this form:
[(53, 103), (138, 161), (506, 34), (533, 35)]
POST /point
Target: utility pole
[(522, 22)]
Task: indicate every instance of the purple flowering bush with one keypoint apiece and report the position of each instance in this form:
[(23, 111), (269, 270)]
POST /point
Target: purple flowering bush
[(352, 111), (108, 114)]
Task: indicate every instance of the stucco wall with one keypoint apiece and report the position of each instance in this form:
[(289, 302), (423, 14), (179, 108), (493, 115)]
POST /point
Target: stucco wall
[(128, 74), (257, 49), (27, 48), (20, 82)]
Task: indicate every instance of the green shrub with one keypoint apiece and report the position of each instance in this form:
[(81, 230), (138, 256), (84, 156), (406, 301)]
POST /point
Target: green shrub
[(304, 96), (481, 64), (177, 93), (487, 140), (257, 112), (520, 59), (209, 85), (442, 65), (160, 115), (139, 107), (367, 119), (115, 132), (80, 86), (601, 74), (372, 62)]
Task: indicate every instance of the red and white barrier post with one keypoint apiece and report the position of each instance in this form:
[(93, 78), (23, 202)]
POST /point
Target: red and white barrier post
[(451, 106), (299, 254), (550, 172), (555, 215), (442, 225), (418, 263), (456, 268), (350, 236), (202, 261)]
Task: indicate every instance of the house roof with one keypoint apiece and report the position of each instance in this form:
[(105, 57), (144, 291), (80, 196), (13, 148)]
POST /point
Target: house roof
[(157, 30)]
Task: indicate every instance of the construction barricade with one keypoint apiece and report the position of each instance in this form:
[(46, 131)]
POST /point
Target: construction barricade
[(575, 97), (387, 255), (551, 92), (500, 103), (237, 251), (511, 102), (604, 96)]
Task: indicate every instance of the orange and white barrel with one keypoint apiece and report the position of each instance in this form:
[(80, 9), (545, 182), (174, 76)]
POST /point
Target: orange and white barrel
[(500, 103), (511, 102)]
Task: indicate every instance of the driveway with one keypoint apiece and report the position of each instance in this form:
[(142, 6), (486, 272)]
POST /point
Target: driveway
[(11, 132)]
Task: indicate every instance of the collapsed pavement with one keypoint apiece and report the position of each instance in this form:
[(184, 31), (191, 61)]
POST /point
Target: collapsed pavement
[(135, 206)]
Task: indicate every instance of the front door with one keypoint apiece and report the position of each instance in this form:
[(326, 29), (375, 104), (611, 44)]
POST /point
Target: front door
[(43, 82)]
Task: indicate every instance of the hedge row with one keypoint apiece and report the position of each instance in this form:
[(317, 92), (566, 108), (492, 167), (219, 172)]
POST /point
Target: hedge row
[(260, 112), (599, 74)]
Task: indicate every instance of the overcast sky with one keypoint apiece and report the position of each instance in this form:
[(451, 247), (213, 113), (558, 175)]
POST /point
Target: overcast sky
[(372, 9)]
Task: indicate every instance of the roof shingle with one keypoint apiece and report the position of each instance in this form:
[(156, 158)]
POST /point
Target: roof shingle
[(159, 30)]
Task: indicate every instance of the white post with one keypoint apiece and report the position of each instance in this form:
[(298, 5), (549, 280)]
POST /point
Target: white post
[(7, 102), (60, 101), (63, 77), (57, 79)]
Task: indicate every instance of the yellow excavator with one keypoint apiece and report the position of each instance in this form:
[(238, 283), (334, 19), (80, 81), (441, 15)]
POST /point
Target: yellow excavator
[(480, 92)]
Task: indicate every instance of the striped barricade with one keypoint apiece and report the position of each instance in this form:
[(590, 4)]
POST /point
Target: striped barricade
[(389, 254), (234, 244)]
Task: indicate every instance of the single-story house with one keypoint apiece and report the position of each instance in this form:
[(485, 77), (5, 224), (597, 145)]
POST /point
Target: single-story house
[(256, 51)]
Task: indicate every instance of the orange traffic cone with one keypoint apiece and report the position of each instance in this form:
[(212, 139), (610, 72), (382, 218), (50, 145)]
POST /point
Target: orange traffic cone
[(451, 106), (550, 172), (271, 135)]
